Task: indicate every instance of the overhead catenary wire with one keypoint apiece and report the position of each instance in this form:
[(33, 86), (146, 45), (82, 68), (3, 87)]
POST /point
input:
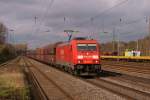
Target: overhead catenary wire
[(127, 24), (132, 22), (120, 26), (104, 11), (101, 13), (35, 28), (44, 15)]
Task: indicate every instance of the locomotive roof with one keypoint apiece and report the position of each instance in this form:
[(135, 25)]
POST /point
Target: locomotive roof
[(78, 41)]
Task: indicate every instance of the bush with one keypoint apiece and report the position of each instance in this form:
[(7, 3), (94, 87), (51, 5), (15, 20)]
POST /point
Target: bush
[(6, 53)]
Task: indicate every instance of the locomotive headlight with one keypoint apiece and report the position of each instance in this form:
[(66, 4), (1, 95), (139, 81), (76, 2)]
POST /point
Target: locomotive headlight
[(95, 56), (80, 61), (80, 56)]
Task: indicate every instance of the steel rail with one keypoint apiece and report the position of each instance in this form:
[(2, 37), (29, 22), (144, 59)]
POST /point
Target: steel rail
[(119, 89), (50, 80), (35, 83)]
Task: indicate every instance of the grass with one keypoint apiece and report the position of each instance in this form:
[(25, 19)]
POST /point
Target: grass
[(10, 89)]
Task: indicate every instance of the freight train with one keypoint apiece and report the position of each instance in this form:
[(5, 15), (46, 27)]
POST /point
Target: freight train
[(79, 56)]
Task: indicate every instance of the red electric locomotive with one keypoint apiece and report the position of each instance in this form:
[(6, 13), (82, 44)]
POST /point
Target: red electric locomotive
[(79, 56)]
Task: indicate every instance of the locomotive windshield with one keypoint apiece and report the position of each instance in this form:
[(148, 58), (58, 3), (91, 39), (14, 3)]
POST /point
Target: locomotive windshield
[(87, 47)]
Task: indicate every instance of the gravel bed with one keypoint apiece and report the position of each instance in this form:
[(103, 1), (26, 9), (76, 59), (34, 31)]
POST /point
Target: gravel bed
[(76, 88)]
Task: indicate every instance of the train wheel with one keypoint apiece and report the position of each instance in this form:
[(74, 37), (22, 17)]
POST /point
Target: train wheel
[(98, 73), (66, 68), (70, 71), (76, 72), (63, 68)]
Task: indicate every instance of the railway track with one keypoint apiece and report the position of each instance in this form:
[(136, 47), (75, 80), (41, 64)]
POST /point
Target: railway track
[(36, 87), (120, 89), (67, 86), (136, 83), (41, 91), (110, 88), (143, 66), (133, 70)]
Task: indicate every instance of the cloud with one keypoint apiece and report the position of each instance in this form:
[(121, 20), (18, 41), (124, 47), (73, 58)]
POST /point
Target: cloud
[(19, 15)]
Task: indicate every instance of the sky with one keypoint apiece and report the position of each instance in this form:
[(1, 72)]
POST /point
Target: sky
[(124, 19)]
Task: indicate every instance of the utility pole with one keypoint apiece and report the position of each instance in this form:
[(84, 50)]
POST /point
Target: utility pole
[(12, 36), (103, 24), (35, 19), (113, 37), (120, 20), (137, 45), (65, 22), (147, 50), (149, 33), (92, 32), (13, 40), (118, 44)]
